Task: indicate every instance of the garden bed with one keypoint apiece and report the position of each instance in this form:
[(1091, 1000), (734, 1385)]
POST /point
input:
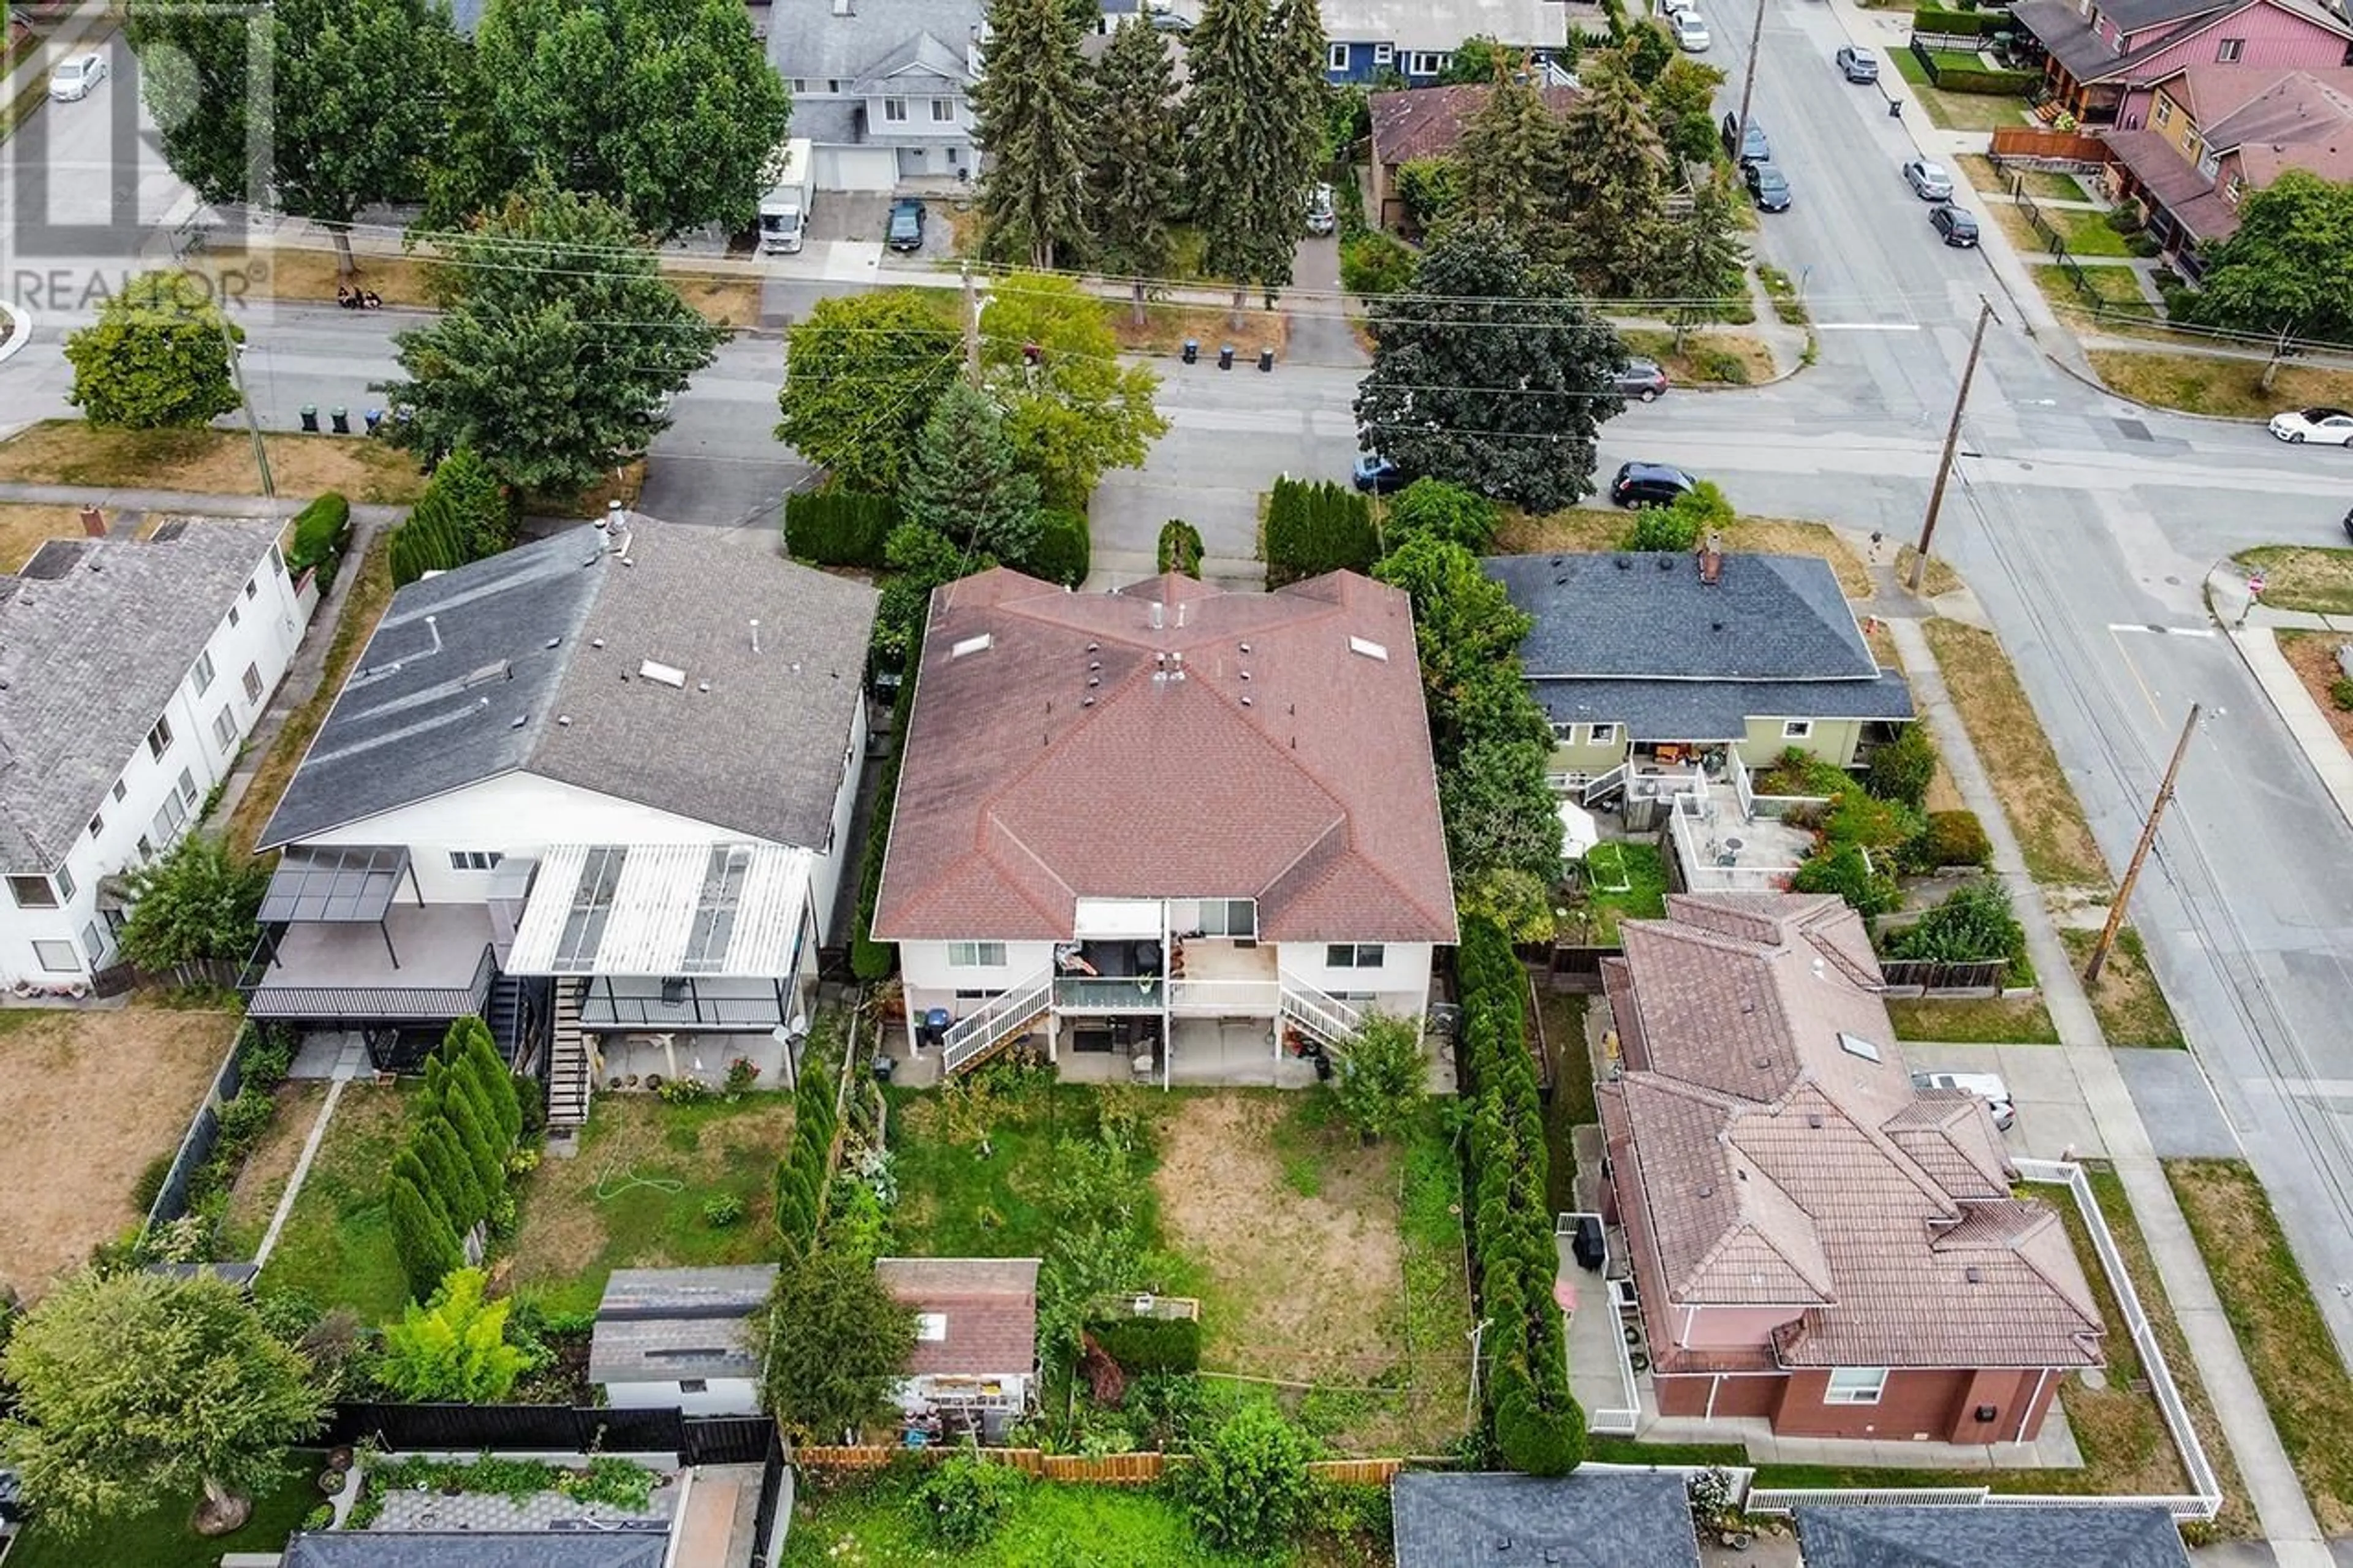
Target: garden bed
[(1624, 880)]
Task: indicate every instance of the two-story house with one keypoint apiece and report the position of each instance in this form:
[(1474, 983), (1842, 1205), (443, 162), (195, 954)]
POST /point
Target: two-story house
[(130, 672), (1367, 39), (2192, 146), (1813, 1240), (1192, 829), (2099, 55), (882, 88), (596, 788)]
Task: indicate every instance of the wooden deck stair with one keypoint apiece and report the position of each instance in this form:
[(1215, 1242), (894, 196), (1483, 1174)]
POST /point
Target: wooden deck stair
[(568, 1069)]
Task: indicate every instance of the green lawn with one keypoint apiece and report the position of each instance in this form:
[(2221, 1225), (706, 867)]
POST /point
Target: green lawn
[(1572, 1091), (2115, 285), (2303, 577), (159, 1537), (337, 1244), (2131, 1008), (875, 1522), (1642, 867), (1993, 1020), (2086, 234), (1956, 111)]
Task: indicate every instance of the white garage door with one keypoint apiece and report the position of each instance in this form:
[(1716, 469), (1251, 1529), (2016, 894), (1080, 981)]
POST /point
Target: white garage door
[(857, 169)]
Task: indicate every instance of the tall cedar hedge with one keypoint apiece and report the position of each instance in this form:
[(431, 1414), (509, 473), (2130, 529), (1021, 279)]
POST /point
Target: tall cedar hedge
[(870, 959), (839, 527), (1064, 550), (1312, 528), (451, 1172), (321, 531), (803, 1172), (1536, 1422), (1180, 547)]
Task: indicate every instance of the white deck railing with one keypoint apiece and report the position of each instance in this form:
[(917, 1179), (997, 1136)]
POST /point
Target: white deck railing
[(1322, 1015), (1704, 863), (1741, 791), (997, 1019), (1229, 998)]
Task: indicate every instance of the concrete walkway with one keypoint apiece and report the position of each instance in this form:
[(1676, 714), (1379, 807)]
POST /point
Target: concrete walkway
[(2270, 1479), (203, 503), (2252, 632)]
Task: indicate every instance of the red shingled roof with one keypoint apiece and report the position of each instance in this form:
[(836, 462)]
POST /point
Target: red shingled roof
[(989, 1305), (1245, 747)]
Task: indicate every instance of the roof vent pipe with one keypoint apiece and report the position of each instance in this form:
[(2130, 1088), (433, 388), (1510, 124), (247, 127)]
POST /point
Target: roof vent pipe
[(433, 625), (755, 633)]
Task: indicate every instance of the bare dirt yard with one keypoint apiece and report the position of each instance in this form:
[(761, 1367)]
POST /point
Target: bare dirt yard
[(93, 1096)]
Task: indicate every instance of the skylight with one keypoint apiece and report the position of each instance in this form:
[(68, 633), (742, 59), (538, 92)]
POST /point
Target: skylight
[(1856, 1046), (1369, 648), (971, 645)]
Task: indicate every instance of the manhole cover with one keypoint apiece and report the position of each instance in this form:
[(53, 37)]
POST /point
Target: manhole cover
[(2134, 430)]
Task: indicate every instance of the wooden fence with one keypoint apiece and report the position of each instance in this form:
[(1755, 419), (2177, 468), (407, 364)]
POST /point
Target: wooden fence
[(1101, 1469), (2024, 141)]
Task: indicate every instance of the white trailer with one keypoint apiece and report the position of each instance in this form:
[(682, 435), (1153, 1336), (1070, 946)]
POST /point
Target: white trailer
[(784, 211)]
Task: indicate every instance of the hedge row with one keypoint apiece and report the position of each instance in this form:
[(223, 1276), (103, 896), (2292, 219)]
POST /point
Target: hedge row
[(1150, 1344), (1538, 1424), (870, 959), (802, 1173), (839, 527), (1988, 82), (451, 1173), (1063, 552), (321, 531), (1960, 24), (1312, 528)]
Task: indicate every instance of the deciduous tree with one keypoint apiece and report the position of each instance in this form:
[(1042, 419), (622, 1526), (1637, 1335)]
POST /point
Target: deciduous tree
[(861, 374), (2289, 266), (1477, 59), (1467, 634), (1032, 124), (134, 1387), (964, 485), (1443, 511), (1499, 814), (834, 1342), (1381, 1075), (558, 342), (1247, 1488), (1134, 167), (454, 1348), (196, 905), (1491, 373), (156, 358), (351, 113), (1073, 408)]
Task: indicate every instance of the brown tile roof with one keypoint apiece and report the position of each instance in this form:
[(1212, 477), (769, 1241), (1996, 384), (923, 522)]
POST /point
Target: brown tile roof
[(1242, 748), (1427, 122), (1768, 1151), (990, 1305)]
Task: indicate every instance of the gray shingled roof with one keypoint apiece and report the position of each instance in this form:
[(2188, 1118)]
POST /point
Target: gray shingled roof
[(476, 672), (94, 643), (662, 1324), (2072, 1535), (1592, 1519), (518, 1549), (809, 41), (1717, 710), (1768, 617)]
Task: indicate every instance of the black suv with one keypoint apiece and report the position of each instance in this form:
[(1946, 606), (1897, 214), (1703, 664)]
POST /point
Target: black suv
[(1958, 227), (1753, 148), (1650, 484), (1768, 185)]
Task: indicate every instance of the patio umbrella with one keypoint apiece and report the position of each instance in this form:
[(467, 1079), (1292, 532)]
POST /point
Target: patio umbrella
[(1579, 831)]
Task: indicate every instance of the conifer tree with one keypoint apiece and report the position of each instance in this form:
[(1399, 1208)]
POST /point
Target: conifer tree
[(1131, 180), (1256, 99), (1510, 149), (1613, 170), (964, 485), (1032, 124), (422, 1236)]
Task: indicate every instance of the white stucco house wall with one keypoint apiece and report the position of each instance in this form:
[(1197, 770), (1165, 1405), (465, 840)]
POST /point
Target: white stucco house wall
[(680, 1338)]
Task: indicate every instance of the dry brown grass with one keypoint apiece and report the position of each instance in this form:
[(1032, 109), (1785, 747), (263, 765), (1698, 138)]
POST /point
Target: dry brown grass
[(2034, 793), (207, 461), (1935, 581), (2313, 657), (2303, 577), (2202, 384), (1585, 527), (25, 529), (1165, 328), (1981, 174), (301, 273), (727, 299), (2129, 1003), (92, 1097), (1706, 358), (1973, 1020), (364, 606), (267, 1166)]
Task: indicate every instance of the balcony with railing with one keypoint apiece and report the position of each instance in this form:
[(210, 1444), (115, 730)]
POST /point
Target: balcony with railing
[(1107, 994), (421, 963)]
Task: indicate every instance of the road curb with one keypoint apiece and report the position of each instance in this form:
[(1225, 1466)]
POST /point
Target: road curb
[(20, 329), (2341, 797), (2091, 378)]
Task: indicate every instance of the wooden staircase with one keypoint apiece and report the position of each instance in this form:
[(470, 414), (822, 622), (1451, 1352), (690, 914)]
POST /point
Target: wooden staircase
[(569, 1071), (1007, 1017)]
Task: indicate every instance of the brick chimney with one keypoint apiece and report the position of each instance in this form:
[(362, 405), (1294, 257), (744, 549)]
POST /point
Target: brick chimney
[(94, 523), (1711, 560)]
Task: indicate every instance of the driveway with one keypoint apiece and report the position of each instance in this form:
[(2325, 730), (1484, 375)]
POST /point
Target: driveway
[(1319, 333)]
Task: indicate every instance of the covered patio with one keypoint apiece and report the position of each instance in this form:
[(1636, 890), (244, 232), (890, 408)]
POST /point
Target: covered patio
[(336, 948)]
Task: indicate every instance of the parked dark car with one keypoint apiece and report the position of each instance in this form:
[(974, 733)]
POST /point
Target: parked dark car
[(1641, 380), (1377, 475), (1768, 185), (1857, 65), (906, 232), (1650, 484), (1753, 148), (1958, 227)]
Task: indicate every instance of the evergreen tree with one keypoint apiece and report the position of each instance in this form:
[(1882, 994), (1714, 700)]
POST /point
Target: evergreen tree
[(1132, 181), (1032, 124), (1256, 98), (423, 1238), (1613, 171), (466, 1126), (964, 485), (454, 1348), (452, 1170), (1510, 148), (1301, 97), (1706, 257), (481, 1057)]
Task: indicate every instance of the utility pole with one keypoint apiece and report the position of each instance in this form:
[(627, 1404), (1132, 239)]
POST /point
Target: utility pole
[(971, 327), (252, 424), (2141, 852), (1952, 439), (1748, 84)]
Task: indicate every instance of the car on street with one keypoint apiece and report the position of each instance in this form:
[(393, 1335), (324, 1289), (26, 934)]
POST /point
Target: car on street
[(1378, 476), (1929, 182), (906, 231), (1986, 1086), (1691, 33), (1857, 65), (1641, 380), (1650, 484), (1753, 146), (1768, 185), (1957, 227), (2324, 426), (1322, 215), (75, 76)]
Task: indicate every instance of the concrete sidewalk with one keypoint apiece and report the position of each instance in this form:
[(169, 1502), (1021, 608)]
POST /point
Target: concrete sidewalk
[(200, 503), (2270, 1479), (2252, 629)]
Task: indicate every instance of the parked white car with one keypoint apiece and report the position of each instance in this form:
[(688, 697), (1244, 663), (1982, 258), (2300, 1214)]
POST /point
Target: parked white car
[(1691, 32), (75, 75), (2322, 426), (1986, 1086)]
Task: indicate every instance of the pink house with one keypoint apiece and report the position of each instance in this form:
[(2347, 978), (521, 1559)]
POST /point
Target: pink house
[(2102, 55)]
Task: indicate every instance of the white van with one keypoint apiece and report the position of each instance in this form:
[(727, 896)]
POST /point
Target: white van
[(1986, 1086)]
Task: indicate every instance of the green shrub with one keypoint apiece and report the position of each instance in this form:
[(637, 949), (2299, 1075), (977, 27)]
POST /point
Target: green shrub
[(723, 1211), (1374, 263), (1985, 82), (1151, 1344), (1903, 768), (839, 527), (1429, 188), (1949, 838), (2340, 692), (1247, 1488), (1663, 529), (1312, 528), (149, 1184), (685, 1092), (265, 1054), (321, 530), (1959, 24), (1064, 550), (1974, 925), (1539, 1441), (1718, 365), (1179, 549), (2124, 217), (965, 1499), (1844, 869), (1449, 511), (243, 1119)]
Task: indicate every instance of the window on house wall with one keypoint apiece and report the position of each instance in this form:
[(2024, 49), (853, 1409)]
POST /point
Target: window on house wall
[(474, 859), (65, 882), (93, 941), (188, 786), (2235, 190), (1384, 54), (56, 957), (252, 585), (158, 741), (2164, 116), (2210, 164), (1335, 57), (224, 729), (1797, 729), (833, 84), (204, 670), (233, 618), (169, 818), (120, 789), (693, 1385), (146, 849), (943, 110), (1422, 62), (1601, 734), (1229, 917), (976, 956), (800, 86), (2228, 51), (894, 110), (1855, 1385), (32, 892), (97, 826), (1352, 955), (931, 1326), (253, 683)]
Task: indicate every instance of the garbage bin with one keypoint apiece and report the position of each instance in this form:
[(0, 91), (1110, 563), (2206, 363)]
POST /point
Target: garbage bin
[(883, 1068), (1192, 350), (341, 417), (1226, 356), (1894, 109), (311, 419), (1266, 358), (372, 418)]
